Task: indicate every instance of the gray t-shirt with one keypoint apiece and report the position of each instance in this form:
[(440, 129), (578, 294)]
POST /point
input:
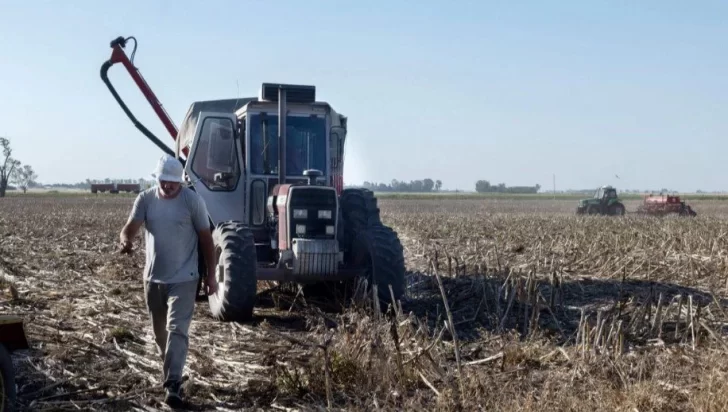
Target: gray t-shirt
[(171, 239)]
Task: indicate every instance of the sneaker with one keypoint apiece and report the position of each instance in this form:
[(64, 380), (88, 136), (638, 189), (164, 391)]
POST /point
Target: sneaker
[(173, 396)]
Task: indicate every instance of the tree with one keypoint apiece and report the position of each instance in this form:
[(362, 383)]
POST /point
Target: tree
[(438, 185), (7, 165), (428, 184), (482, 186), (417, 186), (24, 177)]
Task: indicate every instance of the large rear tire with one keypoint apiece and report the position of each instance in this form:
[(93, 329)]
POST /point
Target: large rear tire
[(7, 381), (359, 208), (378, 249), (236, 273)]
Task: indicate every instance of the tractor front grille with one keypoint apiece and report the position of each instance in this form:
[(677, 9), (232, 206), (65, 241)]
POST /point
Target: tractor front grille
[(312, 199)]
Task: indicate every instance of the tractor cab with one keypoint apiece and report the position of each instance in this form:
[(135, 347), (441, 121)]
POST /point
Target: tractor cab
[(237, 155), (241, 165), (605, 194), (604, 202)]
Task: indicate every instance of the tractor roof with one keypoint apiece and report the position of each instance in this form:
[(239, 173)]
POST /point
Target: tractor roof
[(187, 129)]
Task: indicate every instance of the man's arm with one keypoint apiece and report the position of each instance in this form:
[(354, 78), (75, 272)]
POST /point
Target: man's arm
[(204, 233), (133, 224), (208, 251)]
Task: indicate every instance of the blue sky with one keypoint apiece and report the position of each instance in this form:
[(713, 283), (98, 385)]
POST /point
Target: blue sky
[(511, 92)]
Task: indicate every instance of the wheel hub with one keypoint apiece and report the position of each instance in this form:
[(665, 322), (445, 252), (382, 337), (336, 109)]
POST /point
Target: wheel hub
[(219, 269)]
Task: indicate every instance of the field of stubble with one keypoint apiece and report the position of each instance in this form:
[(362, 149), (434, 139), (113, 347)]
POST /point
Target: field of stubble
[(511, 305)]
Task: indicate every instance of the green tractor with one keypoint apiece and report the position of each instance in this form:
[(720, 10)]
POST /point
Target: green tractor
[(604, 202)]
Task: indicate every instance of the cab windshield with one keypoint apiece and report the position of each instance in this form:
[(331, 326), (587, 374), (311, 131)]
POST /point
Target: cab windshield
[(305, 144)]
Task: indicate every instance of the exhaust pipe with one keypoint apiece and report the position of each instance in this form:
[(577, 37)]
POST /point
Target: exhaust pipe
[(282, 114)]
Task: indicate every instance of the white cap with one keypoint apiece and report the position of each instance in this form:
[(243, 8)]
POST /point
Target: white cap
[(168, 169)]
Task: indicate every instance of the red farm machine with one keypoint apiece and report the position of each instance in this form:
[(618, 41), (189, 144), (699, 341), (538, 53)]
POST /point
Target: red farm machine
[(665, 204), (270, 169), (116, 187)]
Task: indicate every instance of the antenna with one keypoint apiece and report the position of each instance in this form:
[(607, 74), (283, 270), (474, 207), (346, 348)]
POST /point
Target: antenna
[(237, 95)]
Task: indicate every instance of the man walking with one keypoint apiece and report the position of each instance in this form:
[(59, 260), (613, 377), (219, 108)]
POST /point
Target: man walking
[(175, 218)]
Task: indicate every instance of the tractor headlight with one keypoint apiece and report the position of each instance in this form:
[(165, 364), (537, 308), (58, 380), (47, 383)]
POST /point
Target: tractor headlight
[(324, 214), (300, 230), (300, 213), (330, 230)]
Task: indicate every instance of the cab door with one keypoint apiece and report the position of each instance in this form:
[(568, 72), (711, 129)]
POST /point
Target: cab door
[(215, 166)]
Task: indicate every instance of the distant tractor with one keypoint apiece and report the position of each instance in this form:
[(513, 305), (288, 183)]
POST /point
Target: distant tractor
[(270, 169), (665, 204), (605, 202)]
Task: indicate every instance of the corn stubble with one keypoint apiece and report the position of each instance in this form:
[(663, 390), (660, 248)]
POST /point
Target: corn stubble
[(511, 305)]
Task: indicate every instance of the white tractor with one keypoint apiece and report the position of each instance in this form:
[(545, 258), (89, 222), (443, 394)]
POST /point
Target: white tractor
[(270, 169)]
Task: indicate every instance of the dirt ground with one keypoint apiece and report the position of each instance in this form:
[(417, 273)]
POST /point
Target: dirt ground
[(511, 305)]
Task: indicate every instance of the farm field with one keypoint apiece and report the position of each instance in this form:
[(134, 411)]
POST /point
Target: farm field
[(512, 304)]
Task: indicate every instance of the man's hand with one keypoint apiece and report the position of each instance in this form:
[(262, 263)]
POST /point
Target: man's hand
[(126, 247), (127, 234), (210, 284)]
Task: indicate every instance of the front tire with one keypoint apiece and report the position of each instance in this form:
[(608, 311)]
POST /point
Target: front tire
[(7, 381), (236, 273), (617, 209), (592, 210)]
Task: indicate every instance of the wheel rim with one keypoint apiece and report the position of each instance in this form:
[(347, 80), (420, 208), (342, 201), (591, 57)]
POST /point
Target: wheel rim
[(220, 268)]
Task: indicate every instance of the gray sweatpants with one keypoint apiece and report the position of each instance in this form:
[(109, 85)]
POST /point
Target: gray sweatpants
[(171, 306)]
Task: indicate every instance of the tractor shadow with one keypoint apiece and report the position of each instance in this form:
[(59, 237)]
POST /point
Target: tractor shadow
[(292, 309), (498, 303), (559, 308)]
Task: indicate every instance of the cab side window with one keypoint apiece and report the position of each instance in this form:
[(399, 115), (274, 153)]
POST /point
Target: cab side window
[(216, 160)]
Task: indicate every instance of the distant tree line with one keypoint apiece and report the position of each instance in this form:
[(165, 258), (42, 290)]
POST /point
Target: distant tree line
[(413, 186), (86, 185), (484, 186), (141, 181)]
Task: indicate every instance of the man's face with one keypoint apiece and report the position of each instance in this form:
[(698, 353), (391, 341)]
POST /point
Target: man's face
[(169, 189)]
